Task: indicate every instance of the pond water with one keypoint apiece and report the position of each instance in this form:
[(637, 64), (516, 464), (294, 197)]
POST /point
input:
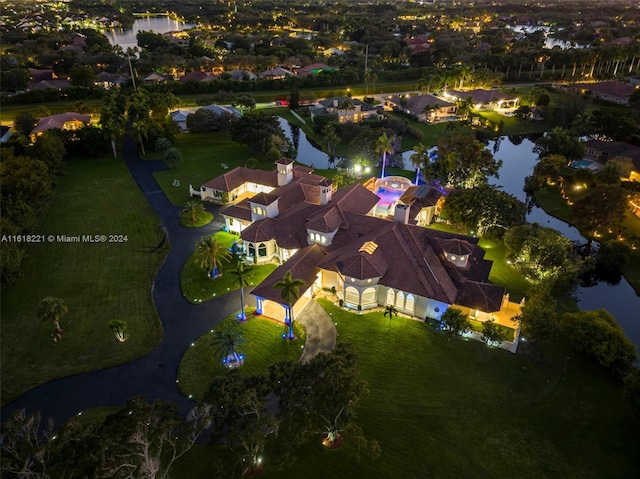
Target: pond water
[(126, 37), (550, 42), (518, 162), (620, 300)]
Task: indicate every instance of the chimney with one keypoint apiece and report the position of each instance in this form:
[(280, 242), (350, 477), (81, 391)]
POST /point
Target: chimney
[(401, 213)]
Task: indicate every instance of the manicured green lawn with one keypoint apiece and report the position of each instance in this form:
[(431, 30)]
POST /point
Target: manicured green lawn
[(198, 287), (503, 273), (460, 409), (205, 155), (98, 281), (477, 326), (264, 347), (201, 220)]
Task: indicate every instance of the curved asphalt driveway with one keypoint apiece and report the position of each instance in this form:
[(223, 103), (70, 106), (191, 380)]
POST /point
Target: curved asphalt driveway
[(154, 375)]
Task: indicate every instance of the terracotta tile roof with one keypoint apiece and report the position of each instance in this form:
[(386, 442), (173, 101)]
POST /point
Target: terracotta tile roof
[(415, 259), (241, 211), (284, 161), (482, 296), (261, 230), (302, 266), (610, 88), (456, 246), (264, 199), (354, 198), (233, 179), (364, 265)]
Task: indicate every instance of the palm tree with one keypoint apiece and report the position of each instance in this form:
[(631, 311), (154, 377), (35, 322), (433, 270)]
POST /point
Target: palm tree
[(139, 130), (227, 339), (241, 279), (163, 144), (52, 309), (118, 327), (419, 158), (289, 292), (427, 111), (111, 131), (209, 252), (390, 310), (193, 209), (384, 146), (172, 156)]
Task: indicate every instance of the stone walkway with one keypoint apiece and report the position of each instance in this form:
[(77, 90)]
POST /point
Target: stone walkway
[(320, 331)]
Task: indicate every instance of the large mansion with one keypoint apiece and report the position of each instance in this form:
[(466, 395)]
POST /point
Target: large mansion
[(333, 240)]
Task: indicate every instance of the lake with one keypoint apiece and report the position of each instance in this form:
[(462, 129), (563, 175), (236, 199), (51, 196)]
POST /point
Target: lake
[(126, 37), (518, 162)]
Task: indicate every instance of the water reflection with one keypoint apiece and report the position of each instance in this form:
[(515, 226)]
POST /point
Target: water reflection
[(126, 37), (620, 299)]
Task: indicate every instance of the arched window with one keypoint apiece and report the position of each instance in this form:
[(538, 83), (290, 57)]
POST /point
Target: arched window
[(252, 249), (352, 295), (409, 304), (391, 297), (400, 300), (262, 250), (369, 296)]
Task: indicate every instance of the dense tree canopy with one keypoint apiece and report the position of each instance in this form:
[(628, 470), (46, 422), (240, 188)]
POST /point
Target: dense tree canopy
[(601, 209), (261, 132), (462, 162), (560, 141), (597, 334), (484, 209), (540, 252)]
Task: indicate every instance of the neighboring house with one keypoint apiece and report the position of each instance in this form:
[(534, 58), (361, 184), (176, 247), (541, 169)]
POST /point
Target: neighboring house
[(332, 51), (492, 99), (277, 73), (180, 115), (56, 83), (5, 134), (426, 108), (613, 91), (347, 109), (108, 80), (38, 75), (198, 76), (330, 240), (314, 69), (418, 44), (157, 78), (220, 109), (242, 75), (179, 38), (64, 121), (602, 151)]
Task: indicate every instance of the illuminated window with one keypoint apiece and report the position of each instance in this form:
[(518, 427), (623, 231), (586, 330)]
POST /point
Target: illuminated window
[(352, 295), (369, 296), (400, 300), (409, 303), (391, 296)]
